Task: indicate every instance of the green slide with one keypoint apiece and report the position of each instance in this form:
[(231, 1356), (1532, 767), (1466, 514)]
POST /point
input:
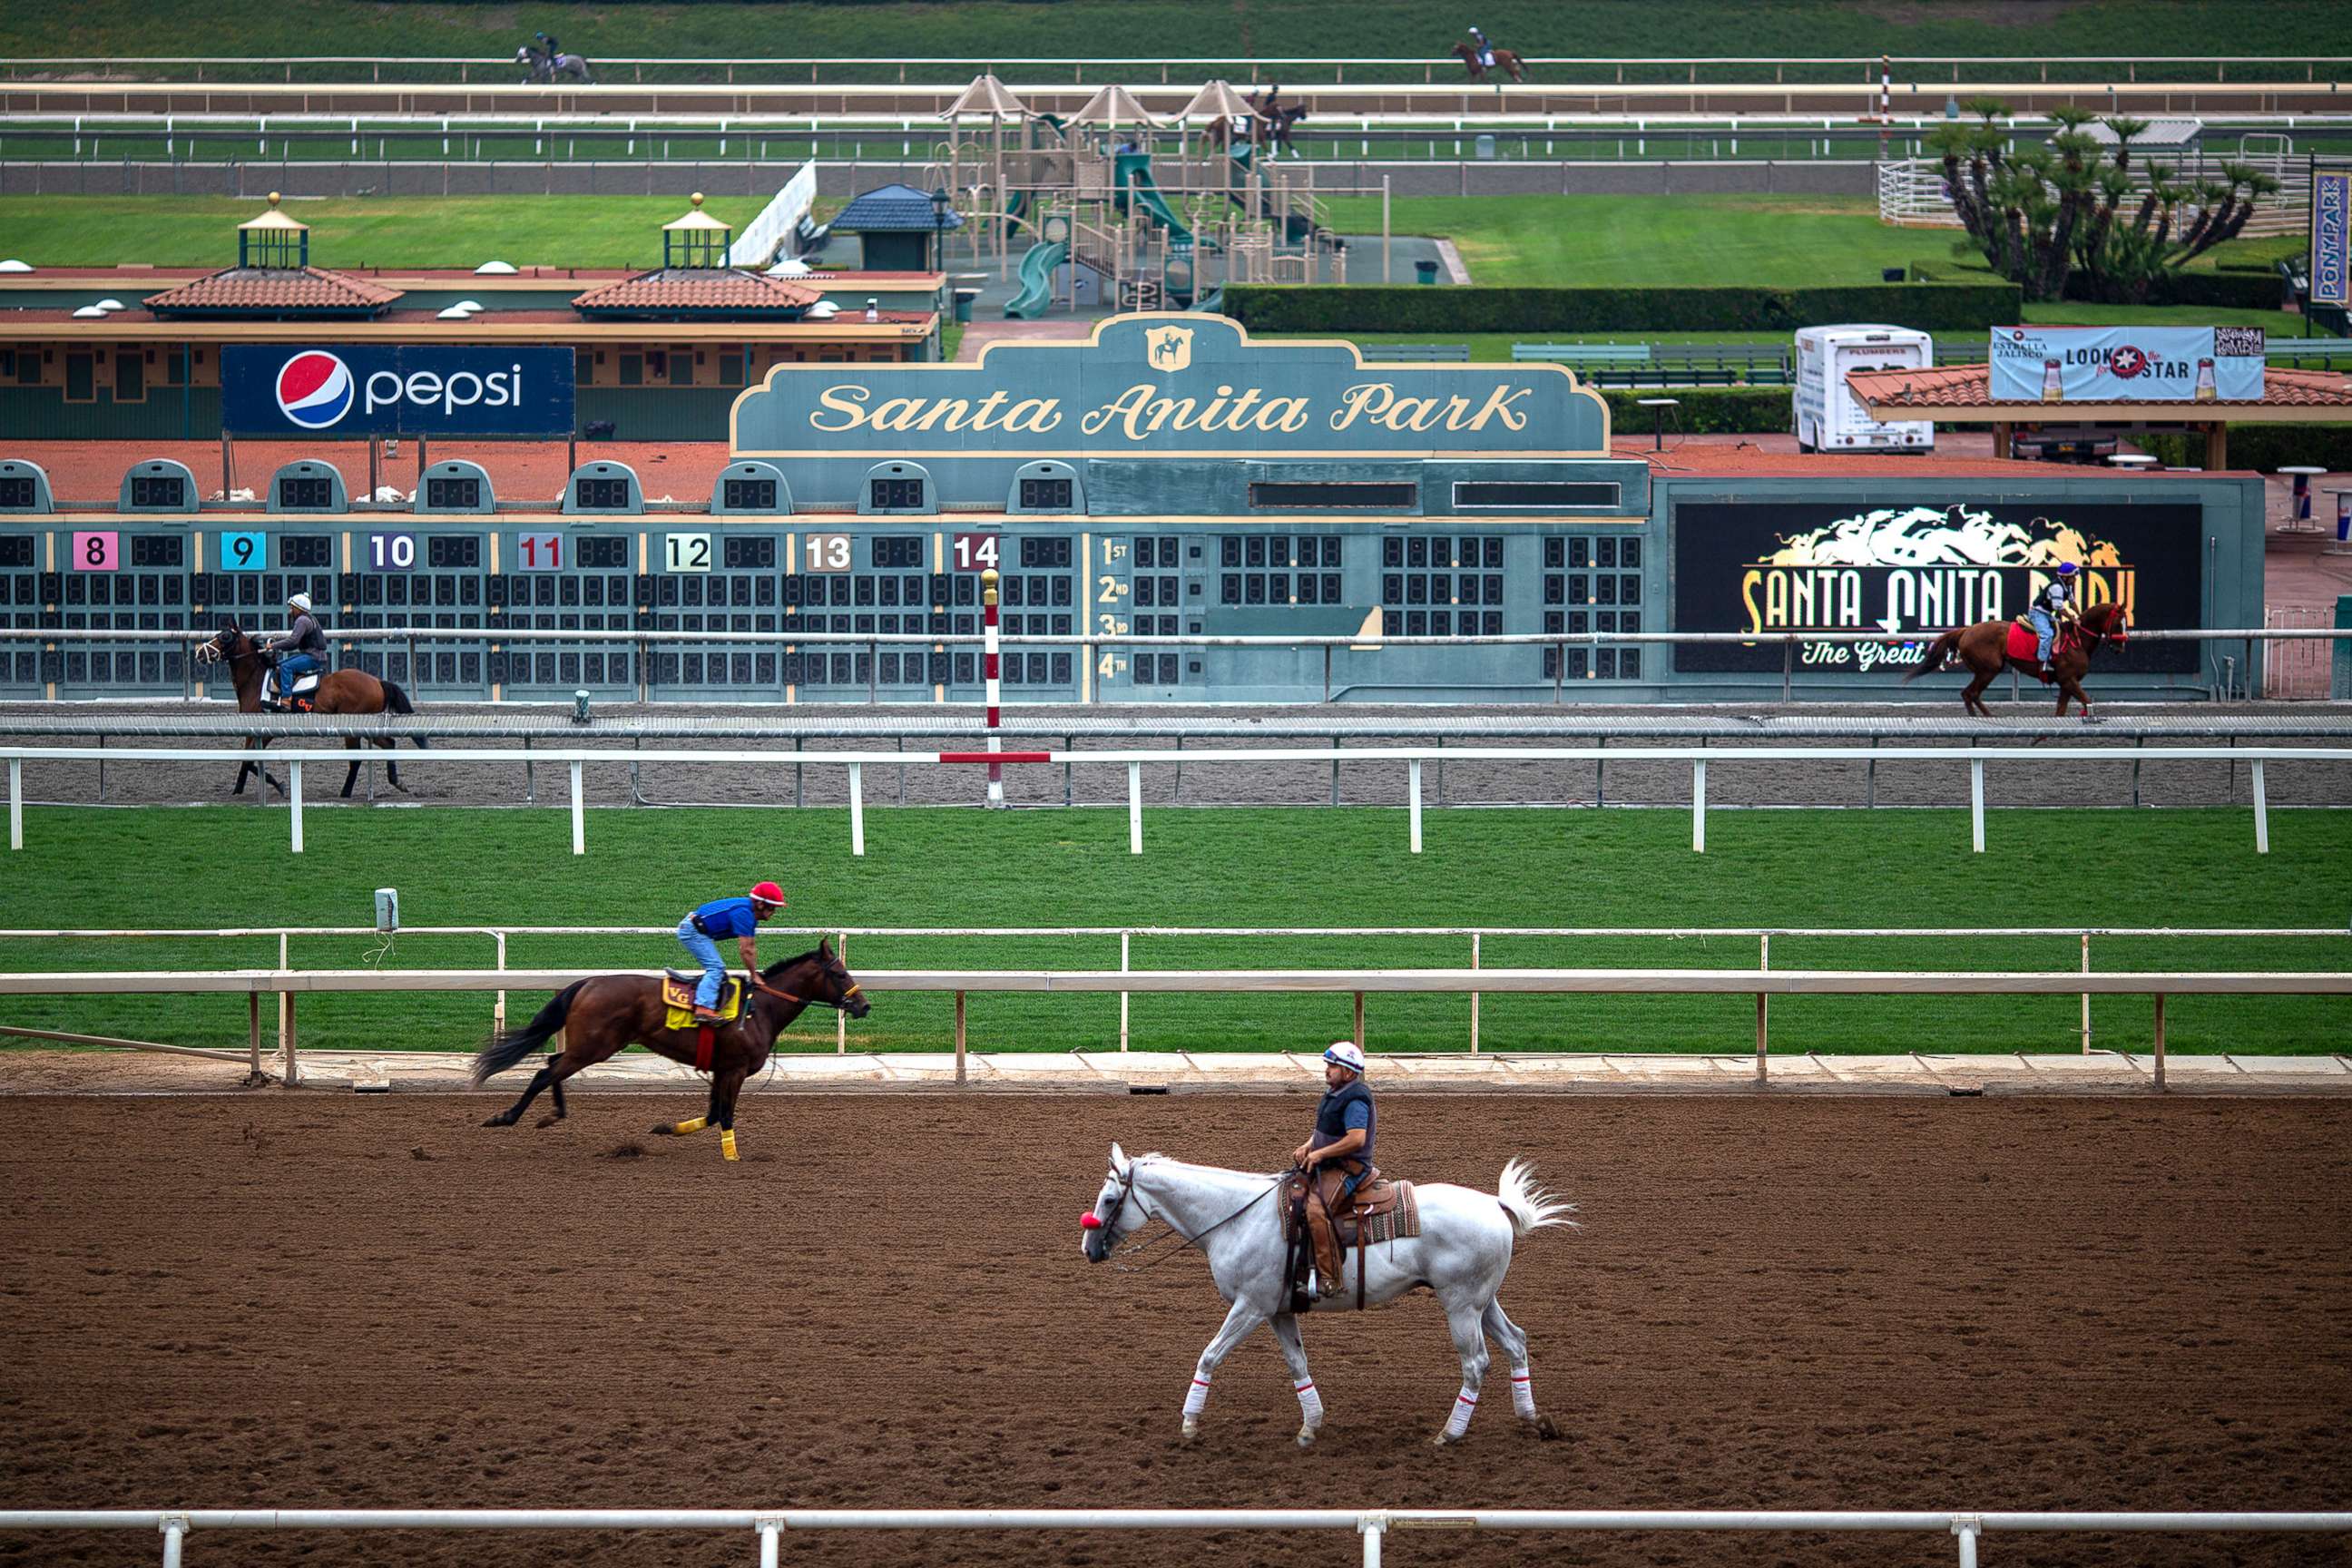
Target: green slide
[(1134, 178), (1037, 265)]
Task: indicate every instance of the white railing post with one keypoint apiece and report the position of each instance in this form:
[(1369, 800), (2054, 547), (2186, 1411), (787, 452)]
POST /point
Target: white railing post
[(1698, 806), (856, 809), (1976, 802), (1763, 1006), (579, 813), (1372, 1529), (841, 1018), (2159, 1042), (499, 1007), (15, 803), (1412, 792), (1135, 808), (1967, 1528), (958, 1027), (1474, 996), (294, 799), (1122, 996), (768, 1528), (2087, 995), (2262, 813), (175, 1530)]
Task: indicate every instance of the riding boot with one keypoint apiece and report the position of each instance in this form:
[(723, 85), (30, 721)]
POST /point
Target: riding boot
[(705, 1015)]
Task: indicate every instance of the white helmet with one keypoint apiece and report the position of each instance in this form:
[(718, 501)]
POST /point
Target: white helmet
[(299, 602), (1347, 1054)]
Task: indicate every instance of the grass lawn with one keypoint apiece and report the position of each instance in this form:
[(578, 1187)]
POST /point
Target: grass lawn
[(1151, 29), (1295, 866)]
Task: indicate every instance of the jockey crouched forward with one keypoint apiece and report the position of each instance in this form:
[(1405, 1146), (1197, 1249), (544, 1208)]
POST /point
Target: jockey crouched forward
[(739, 918), (1344, 1128), (2053, 605)]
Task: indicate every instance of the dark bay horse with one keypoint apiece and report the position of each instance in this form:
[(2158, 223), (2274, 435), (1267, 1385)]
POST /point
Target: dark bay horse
[(596, 1018), (1506, 61), (1984, 649), (343, 691)]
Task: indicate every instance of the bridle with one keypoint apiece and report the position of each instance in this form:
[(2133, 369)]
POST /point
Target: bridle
[(1126, 1189), (854, 989)]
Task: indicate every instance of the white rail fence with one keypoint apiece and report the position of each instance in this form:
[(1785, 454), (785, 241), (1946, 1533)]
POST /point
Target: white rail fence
[(1370, 1526), (576, 760), (1762, 984), (1911, 191), (1128, 937)]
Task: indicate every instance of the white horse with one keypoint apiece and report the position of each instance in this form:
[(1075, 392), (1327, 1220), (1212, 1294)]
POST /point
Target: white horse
[(1461, 1256), (546, 68)]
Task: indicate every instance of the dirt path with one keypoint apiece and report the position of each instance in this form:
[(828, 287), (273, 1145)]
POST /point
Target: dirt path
[(308, 1302)]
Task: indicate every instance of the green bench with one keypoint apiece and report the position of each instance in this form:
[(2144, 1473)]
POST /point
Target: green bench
[(1414, 352), (1583, 354)]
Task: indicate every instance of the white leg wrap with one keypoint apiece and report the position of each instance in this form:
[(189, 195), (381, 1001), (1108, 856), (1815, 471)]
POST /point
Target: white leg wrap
[(1465, 1404), (1310, 1404), (1523, 1395), (1196, 1398)]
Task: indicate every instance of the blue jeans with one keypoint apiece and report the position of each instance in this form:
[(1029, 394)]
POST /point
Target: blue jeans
[(706, 953), (2047, 629), (293, 667)]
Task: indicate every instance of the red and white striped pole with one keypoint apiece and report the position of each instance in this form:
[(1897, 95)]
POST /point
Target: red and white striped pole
[(989, 672)]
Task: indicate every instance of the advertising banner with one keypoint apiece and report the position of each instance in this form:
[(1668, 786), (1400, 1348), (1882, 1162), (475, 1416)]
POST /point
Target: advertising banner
[(349, 391), (2127, 364), (2331, 239), (1913, 570)]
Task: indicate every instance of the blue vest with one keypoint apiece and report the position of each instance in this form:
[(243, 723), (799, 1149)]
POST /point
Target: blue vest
[(1331, 1119)]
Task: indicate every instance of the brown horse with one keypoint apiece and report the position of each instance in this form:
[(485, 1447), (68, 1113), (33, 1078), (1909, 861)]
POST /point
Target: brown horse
[(597, 1017), (1506, 61), (1984, 648), (351, 692)]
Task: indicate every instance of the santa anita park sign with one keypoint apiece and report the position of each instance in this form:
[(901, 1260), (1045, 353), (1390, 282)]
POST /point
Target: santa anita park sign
[(1170, 385)]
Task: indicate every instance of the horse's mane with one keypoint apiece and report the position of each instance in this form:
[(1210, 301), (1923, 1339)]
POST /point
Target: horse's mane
[(782, 963)]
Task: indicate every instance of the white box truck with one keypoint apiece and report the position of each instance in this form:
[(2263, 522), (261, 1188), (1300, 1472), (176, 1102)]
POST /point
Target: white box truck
[(1830, 419)]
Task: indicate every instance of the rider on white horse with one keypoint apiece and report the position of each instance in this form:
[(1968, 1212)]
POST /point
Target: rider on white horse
[(1342, 1139)]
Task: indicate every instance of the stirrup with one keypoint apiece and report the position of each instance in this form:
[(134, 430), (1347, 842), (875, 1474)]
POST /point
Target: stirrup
[(707, 1015)]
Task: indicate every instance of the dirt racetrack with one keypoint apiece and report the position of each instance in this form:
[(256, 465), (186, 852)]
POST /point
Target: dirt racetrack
[(312, 1301)]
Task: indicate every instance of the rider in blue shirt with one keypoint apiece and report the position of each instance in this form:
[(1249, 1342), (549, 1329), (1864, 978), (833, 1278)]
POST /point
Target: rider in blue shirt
[(2055, 603), (739, 918), (1344, 1126), (1485, 49)]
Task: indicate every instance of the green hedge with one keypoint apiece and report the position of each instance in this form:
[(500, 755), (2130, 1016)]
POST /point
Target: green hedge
[(1317, 308), (2265, 448), (2215, 290), (1705, 411)]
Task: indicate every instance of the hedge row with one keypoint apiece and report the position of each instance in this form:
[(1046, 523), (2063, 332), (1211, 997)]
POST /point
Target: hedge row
[(1317, 308), (2214, 290), (1705, 411), (2265, 448)]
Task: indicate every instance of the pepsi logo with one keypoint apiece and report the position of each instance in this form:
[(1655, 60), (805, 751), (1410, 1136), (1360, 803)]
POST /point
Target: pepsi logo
[(314, 389)]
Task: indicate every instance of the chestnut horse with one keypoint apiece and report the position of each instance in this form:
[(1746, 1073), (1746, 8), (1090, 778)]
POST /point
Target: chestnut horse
[(1984, 649), (353, 691), (596, 1018), (1506, 61)]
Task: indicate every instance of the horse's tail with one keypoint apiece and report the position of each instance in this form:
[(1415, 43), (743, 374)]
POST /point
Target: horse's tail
[(1937, 651), (1530, 1206), (505, 1049), (395, 701)]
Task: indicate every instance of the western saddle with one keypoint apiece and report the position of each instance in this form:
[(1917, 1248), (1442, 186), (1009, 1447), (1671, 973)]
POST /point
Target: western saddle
[(1379, 1210)]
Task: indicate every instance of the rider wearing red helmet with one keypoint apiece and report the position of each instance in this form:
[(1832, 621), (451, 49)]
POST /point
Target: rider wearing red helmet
[(739, 918)]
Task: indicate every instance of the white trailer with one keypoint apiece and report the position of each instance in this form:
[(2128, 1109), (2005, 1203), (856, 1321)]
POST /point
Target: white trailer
[(1830, 419)]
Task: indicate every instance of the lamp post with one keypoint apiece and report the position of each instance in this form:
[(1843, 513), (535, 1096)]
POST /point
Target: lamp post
[(946, 299)]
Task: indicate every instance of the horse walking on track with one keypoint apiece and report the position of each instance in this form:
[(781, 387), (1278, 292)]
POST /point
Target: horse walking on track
[(1506, 61), (596, 1018), (1461, 1256), (343, 692), (1989, 646)]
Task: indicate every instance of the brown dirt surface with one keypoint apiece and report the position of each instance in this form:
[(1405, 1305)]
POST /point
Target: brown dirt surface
[(313, 1301)]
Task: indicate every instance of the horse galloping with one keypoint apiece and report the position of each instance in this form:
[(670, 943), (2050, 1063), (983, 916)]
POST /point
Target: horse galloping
[(545, 67), (1507, 61), (343, 691), (1986, 647), (1461, 1256), (595, 1018)]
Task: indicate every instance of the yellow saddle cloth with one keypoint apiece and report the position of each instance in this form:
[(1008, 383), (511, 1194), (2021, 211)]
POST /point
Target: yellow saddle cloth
[(678, 996)]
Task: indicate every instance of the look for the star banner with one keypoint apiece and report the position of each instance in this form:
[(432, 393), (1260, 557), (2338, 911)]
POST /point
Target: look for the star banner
[(2127, 364)]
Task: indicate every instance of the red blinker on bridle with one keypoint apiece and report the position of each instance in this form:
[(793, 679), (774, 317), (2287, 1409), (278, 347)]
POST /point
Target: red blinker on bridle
[(1090, 1221)]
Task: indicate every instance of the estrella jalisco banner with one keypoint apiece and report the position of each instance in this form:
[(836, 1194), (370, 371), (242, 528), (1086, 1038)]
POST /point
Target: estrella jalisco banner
[(2331, 239), (2127, 364)]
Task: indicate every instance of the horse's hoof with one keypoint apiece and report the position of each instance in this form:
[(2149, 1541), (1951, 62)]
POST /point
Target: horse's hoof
[(501, 1120), (1191, 1432), (665, 1128), (1541, 1428), (549, 1120), (1307, 1437), (1443, 1441)]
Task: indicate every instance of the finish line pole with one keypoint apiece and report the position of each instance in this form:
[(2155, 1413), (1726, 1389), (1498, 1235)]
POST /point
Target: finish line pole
[(989, 672)]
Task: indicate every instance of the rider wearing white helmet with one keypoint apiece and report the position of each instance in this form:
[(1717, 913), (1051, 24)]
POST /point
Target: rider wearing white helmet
[(1344, 1128), (303, 649), (1485, 49)]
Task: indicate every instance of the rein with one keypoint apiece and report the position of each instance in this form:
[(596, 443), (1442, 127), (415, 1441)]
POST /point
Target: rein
[(764, 987), (1182, 1240)]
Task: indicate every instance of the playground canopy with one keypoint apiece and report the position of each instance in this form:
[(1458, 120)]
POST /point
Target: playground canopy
[(987, 97), (1216, 100), (1114, 106)]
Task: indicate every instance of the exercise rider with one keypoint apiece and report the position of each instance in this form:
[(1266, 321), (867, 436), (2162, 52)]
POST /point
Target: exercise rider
[(1342, 1140), (2053, 605), (739, 918), (302, 651)]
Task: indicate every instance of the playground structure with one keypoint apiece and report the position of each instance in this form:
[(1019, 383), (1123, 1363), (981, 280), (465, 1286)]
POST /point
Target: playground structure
[(1091, 214)]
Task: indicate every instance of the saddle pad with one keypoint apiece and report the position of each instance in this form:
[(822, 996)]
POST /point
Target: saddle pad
[(678, 996), (2023, 640), (1401, 1222)]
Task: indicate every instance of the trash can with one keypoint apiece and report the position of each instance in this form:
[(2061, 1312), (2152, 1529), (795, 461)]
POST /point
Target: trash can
[(1486, 146), (1890, 275), (963, 303), (1424, 271)]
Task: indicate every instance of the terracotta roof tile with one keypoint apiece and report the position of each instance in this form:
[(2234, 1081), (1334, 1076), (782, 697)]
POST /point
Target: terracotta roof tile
[(1970, 386), (696, 289), (274, 288)]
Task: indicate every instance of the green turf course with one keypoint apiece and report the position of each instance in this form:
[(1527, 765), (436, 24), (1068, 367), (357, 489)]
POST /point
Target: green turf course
[(229, 866), (1155, 29)]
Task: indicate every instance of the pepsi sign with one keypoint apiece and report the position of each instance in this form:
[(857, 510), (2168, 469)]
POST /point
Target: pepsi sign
[(359, 391)]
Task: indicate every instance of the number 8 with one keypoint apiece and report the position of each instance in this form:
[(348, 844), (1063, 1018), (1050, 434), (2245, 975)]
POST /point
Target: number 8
[(94, 551)]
